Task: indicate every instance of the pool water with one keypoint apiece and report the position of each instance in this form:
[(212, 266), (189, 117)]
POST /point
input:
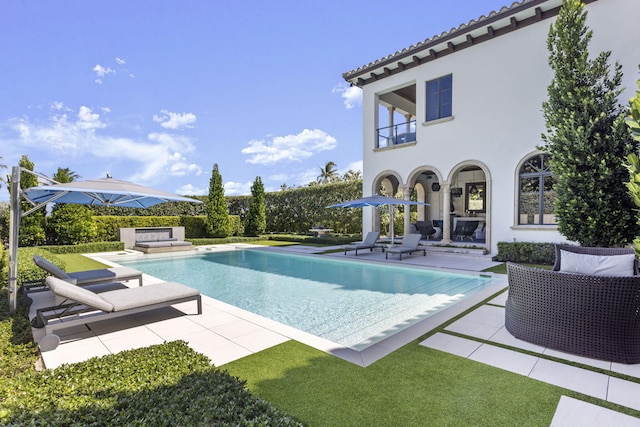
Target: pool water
[(355, 304)]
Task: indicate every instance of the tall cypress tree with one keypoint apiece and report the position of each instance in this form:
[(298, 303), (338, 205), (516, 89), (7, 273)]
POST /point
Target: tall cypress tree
[(586, 137), (256, 220), (218, 222)]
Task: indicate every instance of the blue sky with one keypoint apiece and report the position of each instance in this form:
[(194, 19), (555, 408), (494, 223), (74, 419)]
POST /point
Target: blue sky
[(156, 92)]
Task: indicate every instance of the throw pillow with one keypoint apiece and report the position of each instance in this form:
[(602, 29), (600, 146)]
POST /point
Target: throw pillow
[(597, 265)]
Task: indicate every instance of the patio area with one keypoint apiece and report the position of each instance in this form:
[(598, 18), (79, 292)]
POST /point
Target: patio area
[(225, 333)]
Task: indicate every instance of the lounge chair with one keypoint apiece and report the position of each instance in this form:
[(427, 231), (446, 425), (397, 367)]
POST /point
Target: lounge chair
[(409, 245), (87, 277), (369, 242), (82, 305)]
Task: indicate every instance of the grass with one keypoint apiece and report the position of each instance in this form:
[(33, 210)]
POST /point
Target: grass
[(411, 387)]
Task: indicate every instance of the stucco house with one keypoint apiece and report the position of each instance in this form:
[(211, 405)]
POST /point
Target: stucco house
[(457, 119)]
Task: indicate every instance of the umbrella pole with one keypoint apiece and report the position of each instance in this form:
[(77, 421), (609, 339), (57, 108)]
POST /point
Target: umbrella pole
[(391, 212), (14, 226)]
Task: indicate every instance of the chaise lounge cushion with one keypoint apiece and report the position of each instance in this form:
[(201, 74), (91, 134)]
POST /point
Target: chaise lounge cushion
[(86, 277), (597, 265), (122, 299)]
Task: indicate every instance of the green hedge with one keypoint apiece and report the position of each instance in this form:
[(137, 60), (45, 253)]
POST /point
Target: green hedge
[(194, 226), (526, 252), (161, 385), (85, 248), (27, 270)]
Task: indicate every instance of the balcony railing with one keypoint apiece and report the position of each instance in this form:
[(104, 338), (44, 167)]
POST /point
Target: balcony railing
[(400, 133)]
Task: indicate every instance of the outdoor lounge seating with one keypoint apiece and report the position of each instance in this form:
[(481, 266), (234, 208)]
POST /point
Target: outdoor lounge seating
[(87, 277), (82, 305), (154, 239), (593, 315), (465, 229), (409, 245), (369, 242), (425, 228)]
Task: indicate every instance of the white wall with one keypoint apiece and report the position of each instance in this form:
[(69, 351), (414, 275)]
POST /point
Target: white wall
[(498, 90)]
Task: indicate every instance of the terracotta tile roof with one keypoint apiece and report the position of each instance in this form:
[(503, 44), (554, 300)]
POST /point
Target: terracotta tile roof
[(486, 27)]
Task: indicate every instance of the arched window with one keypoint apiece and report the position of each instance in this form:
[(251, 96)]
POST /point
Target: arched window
[(536, 196)]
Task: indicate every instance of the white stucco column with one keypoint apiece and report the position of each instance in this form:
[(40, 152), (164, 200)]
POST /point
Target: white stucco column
[(407, 210), (407, 120), (391, 123), (446, 214)]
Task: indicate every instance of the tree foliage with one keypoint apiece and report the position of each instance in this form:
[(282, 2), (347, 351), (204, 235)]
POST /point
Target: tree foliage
[(586, 136), (256, 222), (217, 213), (70, 224), (31, 232), (633, 165), (328, 173)]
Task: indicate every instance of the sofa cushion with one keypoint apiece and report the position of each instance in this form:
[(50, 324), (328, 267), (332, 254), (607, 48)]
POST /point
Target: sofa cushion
[(597, 265)]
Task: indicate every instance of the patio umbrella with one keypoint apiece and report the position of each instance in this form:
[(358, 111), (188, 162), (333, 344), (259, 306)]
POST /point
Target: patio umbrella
[(377, 201), (102, 192), (98, 192)]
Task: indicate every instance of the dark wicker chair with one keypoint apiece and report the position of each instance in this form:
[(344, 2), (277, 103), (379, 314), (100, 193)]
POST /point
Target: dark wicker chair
[(425, 229), (465, 229), (593, 316)]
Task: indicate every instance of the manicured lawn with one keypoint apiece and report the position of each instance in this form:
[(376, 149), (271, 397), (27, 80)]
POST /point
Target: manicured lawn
[(413, 386)]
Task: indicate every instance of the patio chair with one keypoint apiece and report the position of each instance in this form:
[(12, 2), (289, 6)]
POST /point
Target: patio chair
[(465, 229), (409, 245), (81, 305), (425, 228), (369, 242), (87, 277)]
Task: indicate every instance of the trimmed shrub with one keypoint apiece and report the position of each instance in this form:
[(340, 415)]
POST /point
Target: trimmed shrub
[(126, 389), (526, 252)]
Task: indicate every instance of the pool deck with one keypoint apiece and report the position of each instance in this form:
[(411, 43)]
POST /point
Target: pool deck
[(225, 333)]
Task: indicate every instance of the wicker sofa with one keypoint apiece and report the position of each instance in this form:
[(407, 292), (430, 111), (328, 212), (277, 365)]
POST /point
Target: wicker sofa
[(596, 316)]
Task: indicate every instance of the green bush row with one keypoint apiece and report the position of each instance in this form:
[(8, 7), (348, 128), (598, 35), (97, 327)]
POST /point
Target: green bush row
[(526, 252), (194, 226), (167, 384), (27, 270)]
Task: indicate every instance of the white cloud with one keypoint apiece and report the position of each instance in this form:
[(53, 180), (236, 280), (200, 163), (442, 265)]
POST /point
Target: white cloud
[(237, 188), (289, 148), (354, 166), (170, 120), (101, 72), (190, 190), (89, 120), (351, 95), (62, 138)]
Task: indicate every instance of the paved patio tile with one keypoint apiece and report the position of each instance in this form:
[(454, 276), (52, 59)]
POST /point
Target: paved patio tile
[(502, 358), (451, 344), (482, 323), (625, 393), (601, 364), (504, 337), (573, 412), (137, 337), (577, 379)]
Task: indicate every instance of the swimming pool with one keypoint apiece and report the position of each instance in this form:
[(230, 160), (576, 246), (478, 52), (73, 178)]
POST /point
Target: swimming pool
[(354, 304)]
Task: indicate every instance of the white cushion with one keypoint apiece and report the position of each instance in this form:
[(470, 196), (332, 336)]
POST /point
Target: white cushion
[(597, 265)]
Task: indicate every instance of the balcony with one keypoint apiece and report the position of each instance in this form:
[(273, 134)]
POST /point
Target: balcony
[(397, 134)]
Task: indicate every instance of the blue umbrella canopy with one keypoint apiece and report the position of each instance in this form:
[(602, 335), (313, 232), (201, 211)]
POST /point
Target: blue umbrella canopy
[(377, 201), (102, 192)]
